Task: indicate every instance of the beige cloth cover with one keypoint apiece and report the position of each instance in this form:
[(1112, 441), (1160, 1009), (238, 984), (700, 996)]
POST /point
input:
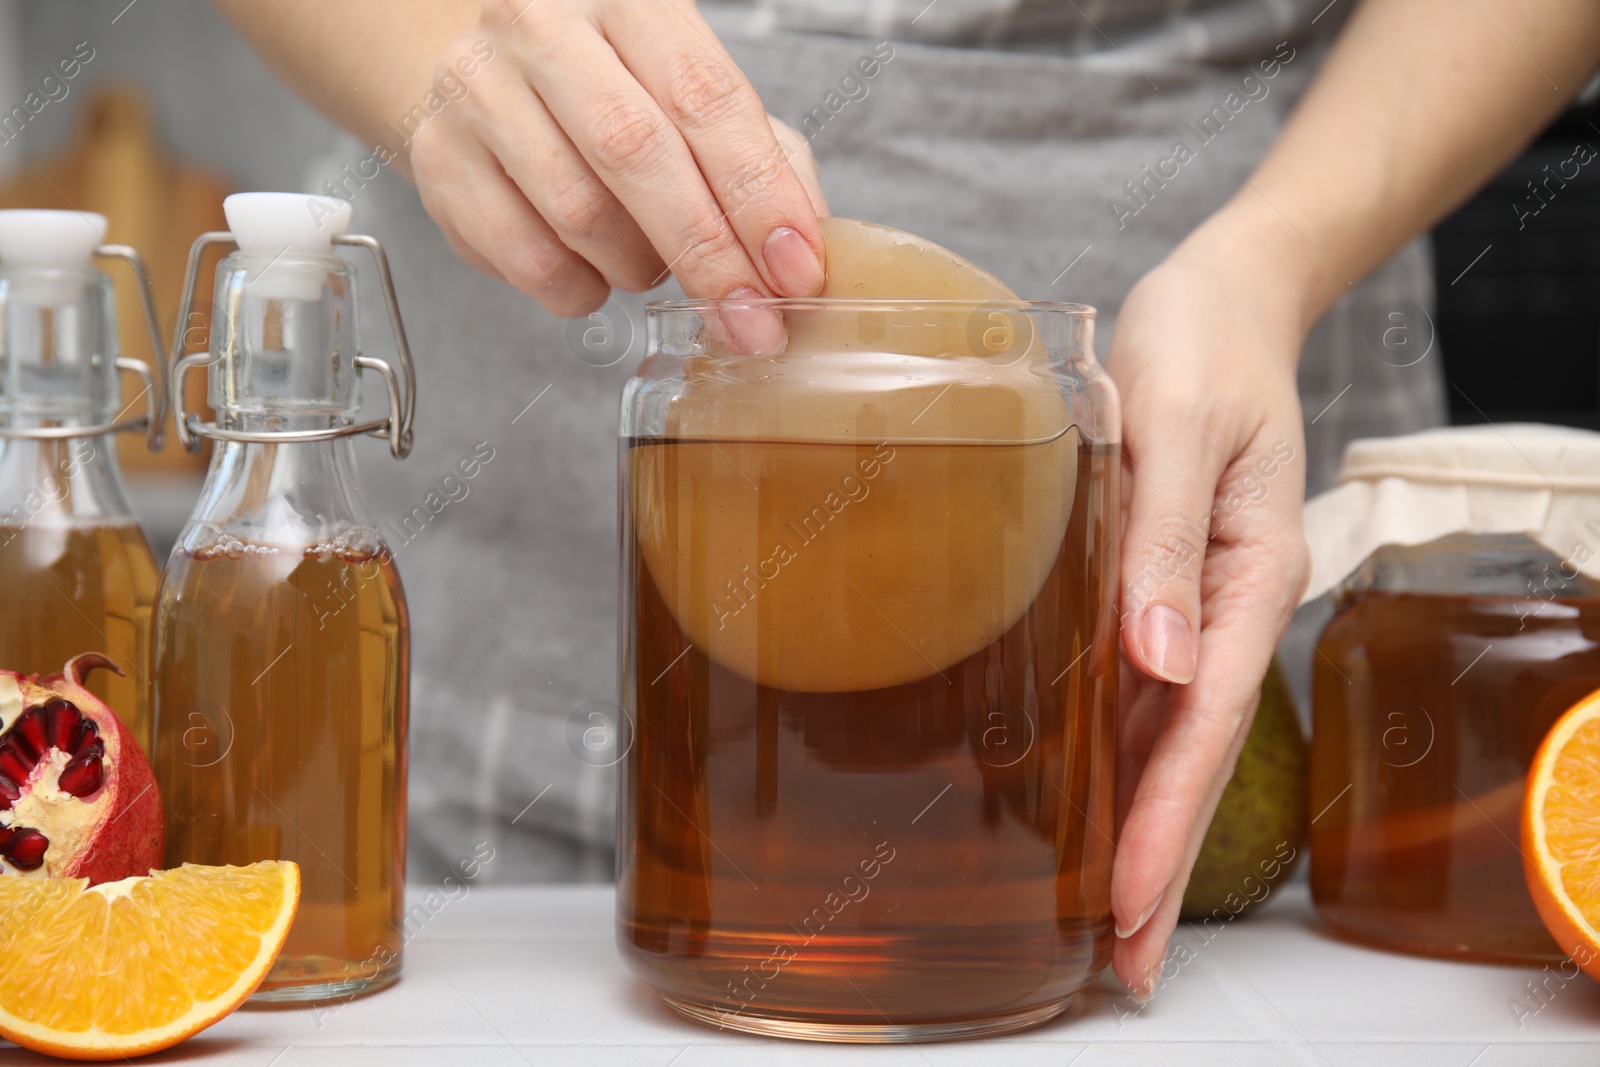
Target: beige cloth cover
[(1521, 478)]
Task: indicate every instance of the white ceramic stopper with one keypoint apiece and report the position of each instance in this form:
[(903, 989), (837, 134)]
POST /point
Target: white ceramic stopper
[(286, 227), (50, 238)]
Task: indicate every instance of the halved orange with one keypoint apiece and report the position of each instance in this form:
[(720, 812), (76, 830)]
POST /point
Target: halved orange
[(136, 966), (1561, 832)]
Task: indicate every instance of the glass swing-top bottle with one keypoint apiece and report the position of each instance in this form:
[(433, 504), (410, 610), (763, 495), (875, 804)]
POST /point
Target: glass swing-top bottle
[(282, 644), (71, 553)]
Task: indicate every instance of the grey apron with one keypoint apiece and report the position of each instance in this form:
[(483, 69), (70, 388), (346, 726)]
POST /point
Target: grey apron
[(1014, 155)]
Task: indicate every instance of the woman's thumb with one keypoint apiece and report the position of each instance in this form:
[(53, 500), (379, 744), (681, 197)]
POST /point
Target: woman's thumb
[(1163, 549)]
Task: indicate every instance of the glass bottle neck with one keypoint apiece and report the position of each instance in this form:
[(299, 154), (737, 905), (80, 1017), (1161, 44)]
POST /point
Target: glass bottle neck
[(283, 351), (58, 348), (72, 480), (287, 494)]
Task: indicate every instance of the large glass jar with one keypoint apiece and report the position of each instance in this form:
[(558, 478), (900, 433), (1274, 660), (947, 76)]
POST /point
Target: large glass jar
[(1443, 669), (869, 663)]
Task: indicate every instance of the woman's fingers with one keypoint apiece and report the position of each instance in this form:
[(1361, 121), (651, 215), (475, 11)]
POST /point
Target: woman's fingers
[(1136, 959), (676, 58), (633, 148), (616, 144), (462, 247), (464, 189), (554, 177), (1173, 482), (672, 130), (1253, 575), (1178, 790), (798, 151)]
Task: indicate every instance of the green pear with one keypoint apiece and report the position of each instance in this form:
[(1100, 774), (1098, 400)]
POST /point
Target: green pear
[(1259, 829)]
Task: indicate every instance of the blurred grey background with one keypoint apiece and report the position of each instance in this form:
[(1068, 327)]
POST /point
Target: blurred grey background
[(217, 104)]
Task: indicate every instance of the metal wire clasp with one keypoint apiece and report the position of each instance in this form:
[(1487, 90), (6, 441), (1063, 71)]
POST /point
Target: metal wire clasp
[(153, 421), (402, 402)]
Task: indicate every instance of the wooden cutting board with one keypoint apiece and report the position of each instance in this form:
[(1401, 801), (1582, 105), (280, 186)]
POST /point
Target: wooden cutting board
[(115, 165)]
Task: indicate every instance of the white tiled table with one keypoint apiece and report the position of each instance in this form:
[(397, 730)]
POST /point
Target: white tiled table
[(509, 977)]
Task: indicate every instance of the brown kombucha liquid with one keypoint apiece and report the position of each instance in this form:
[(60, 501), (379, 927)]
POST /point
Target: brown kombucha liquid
[(86, 588), (280, 734), (926, 854), (1428, 711)]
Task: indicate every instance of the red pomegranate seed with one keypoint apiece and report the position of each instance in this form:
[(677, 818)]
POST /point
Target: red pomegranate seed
[(64, 719), (82, 776), (28, 733), (9, 792), (26, 849), (94, 750), (13, 764), (85, 733), (5, 835)]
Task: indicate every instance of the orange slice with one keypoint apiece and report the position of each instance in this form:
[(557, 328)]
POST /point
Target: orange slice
[(1561, 833), (136, 966)]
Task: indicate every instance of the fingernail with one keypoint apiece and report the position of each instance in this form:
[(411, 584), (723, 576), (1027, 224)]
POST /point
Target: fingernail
[(1168, 644), (1144, 917), (793, 263), (1145, 990), (752, 331)]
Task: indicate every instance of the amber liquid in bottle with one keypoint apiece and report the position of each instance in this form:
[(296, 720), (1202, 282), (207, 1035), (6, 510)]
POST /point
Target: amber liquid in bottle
[(87, 587), (287, 664), (1428, 712), (910, 855)]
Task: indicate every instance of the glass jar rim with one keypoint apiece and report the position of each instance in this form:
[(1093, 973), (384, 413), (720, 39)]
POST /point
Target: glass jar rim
[(834, 303)]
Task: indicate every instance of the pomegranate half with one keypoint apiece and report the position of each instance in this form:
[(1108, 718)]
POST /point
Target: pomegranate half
[(77, 798)]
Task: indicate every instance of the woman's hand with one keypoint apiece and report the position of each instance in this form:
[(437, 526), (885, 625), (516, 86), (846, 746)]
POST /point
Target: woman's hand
[(605, 143), (1213, 556)]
